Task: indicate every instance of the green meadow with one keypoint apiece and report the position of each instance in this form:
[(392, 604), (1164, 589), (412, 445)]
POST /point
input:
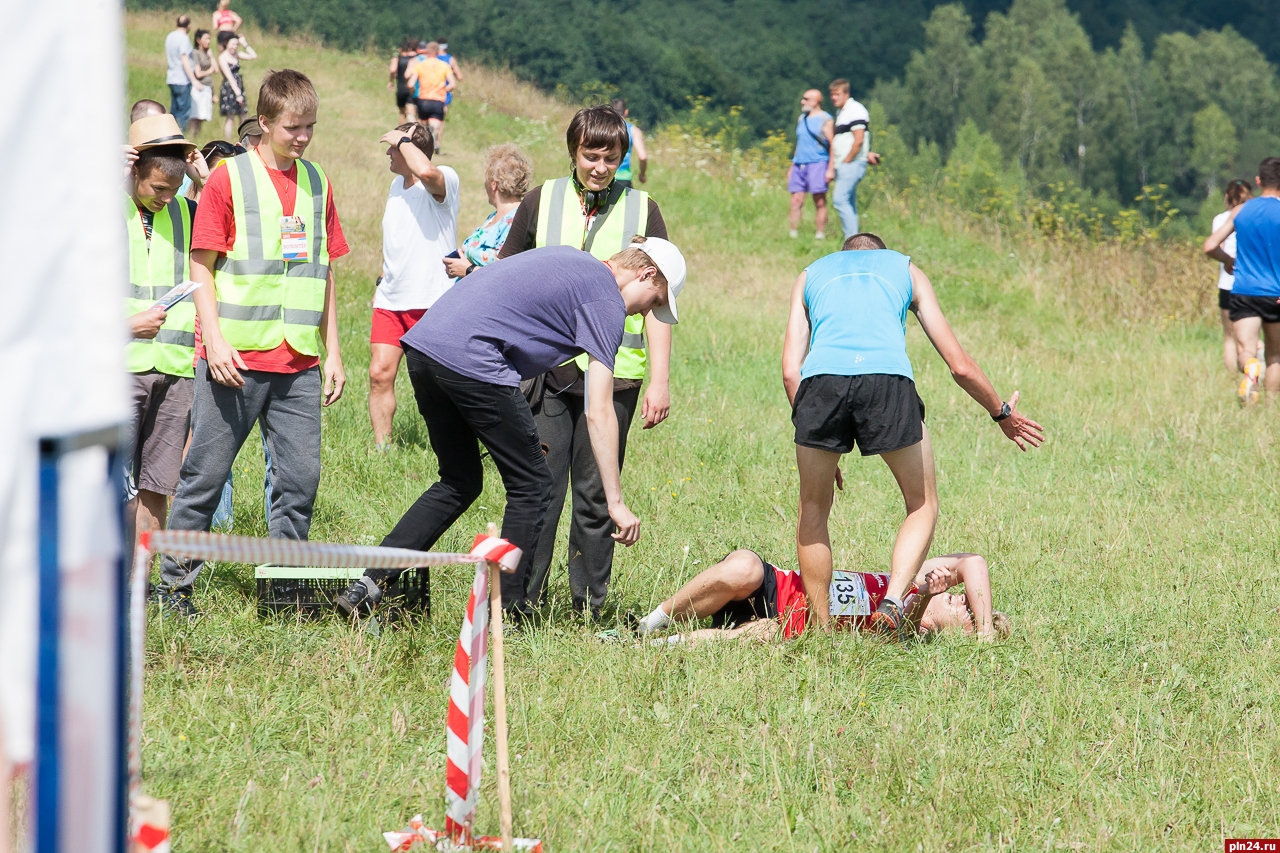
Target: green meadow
[(1134, 707)]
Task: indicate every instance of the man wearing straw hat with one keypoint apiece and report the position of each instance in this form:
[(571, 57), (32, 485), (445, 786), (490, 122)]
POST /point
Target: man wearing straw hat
[(162, 350)]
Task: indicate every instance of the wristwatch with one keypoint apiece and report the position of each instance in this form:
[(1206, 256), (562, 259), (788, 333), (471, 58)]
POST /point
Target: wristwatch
[(470, 269), (1005, 412), (403, 140)]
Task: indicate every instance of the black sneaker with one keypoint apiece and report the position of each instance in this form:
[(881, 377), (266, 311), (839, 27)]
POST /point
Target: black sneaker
[(178, 605), (360, 598)]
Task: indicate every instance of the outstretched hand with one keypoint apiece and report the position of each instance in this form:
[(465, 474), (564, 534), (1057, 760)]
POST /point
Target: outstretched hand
[(1020, 429)]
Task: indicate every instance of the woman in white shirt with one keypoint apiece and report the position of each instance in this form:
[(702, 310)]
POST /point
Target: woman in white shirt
[(419, 227), (1237, 193)]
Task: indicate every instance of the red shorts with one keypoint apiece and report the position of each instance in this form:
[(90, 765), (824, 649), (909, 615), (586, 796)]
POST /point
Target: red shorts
[(390, 326)]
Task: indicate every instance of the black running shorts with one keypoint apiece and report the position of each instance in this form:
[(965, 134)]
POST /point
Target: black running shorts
[(403, 99), (879, 412), (1266, 307), (430, 109), (1224, 299), (762, 604)]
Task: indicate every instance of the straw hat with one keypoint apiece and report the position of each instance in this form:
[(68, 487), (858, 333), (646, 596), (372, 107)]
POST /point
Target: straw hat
[(155, 131)]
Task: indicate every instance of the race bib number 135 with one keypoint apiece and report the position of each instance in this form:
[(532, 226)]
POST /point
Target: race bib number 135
[(849, 595)]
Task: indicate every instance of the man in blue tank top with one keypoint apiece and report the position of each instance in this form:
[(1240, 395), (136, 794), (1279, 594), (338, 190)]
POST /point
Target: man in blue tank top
[(1255, 293), (847, 375), (810, 163)]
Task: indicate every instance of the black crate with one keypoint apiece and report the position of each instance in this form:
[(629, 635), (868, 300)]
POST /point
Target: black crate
[(309, 592)]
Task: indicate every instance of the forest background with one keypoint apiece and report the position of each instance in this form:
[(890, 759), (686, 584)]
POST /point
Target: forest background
[(1092, 117)]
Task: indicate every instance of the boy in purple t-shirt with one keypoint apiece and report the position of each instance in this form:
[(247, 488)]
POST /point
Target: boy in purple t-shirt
[(509, 321)]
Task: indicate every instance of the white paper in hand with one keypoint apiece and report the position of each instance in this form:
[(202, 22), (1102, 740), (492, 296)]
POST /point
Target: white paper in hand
[(178, 293)]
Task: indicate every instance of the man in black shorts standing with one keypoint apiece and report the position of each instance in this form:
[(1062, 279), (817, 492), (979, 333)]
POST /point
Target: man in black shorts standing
[(846, 372)]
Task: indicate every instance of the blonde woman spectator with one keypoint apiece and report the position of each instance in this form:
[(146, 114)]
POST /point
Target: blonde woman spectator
[(224, 20), (507, 176), (201, 97)]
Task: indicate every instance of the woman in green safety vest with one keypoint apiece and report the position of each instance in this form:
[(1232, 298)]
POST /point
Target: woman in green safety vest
[(589, 210)]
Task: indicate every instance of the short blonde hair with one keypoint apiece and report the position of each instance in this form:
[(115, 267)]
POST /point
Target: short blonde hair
[(510, 168), (638, 259), (286, 91), (1001, 624)]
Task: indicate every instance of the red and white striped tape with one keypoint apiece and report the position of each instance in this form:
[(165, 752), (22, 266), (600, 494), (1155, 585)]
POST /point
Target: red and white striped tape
[(416, 833), (496, 550), (194, 544), (465, 725)]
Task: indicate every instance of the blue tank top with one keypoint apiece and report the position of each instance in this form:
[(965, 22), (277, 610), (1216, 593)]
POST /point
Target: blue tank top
[(811, 145), (857, 304), (1258, 248), (624, 169)]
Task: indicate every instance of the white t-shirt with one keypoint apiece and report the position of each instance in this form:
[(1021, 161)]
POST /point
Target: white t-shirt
[(417, 232), (852, 113), (176, 46), (1225, 279)]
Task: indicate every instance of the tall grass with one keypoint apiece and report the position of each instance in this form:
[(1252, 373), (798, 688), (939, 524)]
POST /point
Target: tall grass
[(1133, 709)]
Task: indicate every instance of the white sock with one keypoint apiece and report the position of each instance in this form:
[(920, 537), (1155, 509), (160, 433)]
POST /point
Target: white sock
[(794, 234), (821, 235), (673, 640), (655, 621)]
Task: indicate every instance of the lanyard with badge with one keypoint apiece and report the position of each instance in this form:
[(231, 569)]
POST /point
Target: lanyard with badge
[(293, 238)]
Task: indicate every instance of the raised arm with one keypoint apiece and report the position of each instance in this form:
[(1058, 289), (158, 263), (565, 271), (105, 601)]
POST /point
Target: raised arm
[(965, 371), (796, 344), (602, 426), (420, 164), (940, 574), (1213, 245), (245, 51)]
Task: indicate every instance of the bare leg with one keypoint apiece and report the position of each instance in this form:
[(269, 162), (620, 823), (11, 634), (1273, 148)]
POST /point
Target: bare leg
[(912, 467), (1229, 343), (797, 205), (734, 578), (410, 112), (1271, 338), (384, 363), (820, 213), (761, 630), (228, 128), (1247, 332), (813, 541), (436, 126)]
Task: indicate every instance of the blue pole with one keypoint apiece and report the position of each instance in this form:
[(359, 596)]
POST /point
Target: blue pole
[(122, 669), (48, 705)]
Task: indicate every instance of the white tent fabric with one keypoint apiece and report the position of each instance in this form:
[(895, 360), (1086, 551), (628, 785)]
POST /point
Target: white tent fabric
[(61, 330)]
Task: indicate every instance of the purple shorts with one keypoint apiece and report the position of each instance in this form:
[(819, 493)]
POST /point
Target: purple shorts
[(807, 178)]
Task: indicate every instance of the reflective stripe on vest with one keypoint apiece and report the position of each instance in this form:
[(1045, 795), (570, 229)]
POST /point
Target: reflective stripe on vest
[(262, 298), (563, 222), (153, 270)]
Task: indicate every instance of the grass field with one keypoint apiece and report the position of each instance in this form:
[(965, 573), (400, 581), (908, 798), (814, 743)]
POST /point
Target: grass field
[(1134, 708)]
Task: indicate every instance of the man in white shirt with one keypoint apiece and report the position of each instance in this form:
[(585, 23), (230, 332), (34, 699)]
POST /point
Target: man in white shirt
[(180, 76), (851, 151), (419, 228)]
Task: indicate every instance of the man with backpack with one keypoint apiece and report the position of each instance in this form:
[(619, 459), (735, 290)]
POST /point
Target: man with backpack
[(811, 162)]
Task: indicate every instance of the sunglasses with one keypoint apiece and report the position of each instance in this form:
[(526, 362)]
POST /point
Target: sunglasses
[(220, 148)]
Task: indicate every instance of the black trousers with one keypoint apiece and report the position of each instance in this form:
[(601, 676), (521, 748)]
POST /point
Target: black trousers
[(562, 423), (462, 413)]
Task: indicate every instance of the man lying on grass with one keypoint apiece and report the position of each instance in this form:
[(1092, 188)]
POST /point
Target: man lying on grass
[(748, 597)]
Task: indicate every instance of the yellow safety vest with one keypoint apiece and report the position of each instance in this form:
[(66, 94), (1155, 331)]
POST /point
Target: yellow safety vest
[(262, 298), (563, 222), (153, 270)]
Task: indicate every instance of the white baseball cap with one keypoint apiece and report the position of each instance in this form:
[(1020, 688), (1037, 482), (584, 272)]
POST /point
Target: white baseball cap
[(667, 258)]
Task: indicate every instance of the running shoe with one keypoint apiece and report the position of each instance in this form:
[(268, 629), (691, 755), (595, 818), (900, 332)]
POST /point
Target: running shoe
[(1248, 389), (887, 619), (178, 605), (360, 598)]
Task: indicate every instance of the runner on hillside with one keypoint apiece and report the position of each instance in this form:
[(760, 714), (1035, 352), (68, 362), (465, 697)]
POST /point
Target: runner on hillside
[(452, 61), (588, 210), (746, 596), (847, 375), (399, 82), (813, 158), (1255, 290), (1237, 193), (263, 237), (431, 81), (513, 321), (636, 136), (419, 229)]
